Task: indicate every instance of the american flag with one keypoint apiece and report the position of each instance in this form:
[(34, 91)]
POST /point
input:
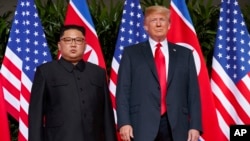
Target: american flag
[(182, 32), (26, 49), (131, 31), (230, 80), (78, 13)]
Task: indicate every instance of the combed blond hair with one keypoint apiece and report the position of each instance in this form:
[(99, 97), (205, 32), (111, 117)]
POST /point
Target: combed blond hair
[(157, 9)]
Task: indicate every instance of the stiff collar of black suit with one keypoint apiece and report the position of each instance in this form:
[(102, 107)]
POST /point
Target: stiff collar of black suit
[(70, 67)]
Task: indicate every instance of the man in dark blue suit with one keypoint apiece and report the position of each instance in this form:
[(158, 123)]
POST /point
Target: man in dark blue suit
[(142, 89), (69, 97)]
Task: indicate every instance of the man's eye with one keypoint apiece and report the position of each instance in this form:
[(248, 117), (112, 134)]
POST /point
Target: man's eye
[(67, 40)]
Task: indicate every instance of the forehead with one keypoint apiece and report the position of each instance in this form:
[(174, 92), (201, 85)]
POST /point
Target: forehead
[(157, 14)]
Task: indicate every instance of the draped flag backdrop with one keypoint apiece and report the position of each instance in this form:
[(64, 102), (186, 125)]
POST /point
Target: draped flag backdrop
[(26, 49), (4, 124), (230, 80), (182, 32), (78, 13), (131, 31)]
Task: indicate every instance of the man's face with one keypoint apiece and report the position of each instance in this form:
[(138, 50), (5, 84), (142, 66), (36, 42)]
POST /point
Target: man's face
[(157, 25), (72, 45)]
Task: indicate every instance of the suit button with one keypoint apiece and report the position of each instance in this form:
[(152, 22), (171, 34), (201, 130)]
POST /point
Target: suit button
[(83, 102)]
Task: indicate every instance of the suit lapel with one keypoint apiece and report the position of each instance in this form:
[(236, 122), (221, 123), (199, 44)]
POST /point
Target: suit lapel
[(172, 63), (147, 52)]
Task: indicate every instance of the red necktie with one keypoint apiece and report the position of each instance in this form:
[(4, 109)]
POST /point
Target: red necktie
[(161, 70)]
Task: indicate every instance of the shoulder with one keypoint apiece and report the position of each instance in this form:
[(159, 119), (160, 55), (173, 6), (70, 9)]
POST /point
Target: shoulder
[(95, 73), (136, 47), (47, 69), (48, 65), (94, 67)]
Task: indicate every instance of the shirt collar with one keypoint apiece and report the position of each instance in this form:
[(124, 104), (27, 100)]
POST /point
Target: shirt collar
[(153, 43), (69, 66)]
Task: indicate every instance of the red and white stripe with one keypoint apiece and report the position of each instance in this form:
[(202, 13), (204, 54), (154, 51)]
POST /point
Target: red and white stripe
[(16, 89), (232, 101)]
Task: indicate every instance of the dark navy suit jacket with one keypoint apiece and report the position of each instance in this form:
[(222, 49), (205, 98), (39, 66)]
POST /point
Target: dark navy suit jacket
[(138, 92)]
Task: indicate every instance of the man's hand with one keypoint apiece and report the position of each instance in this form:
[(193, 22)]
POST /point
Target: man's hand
[(193, 135), (126, 133)]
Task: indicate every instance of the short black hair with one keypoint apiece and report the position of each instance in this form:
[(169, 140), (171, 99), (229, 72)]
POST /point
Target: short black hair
[(71, 26)]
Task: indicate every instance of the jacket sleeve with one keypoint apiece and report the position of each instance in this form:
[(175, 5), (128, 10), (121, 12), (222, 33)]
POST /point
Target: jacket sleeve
[(194, 97)]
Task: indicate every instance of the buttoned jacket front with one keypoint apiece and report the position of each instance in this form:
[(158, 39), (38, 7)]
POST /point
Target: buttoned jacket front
[(138, 92), (70, 103)]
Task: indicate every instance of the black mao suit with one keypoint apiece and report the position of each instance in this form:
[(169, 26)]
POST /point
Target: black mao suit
[(70, 103), (138, 93)]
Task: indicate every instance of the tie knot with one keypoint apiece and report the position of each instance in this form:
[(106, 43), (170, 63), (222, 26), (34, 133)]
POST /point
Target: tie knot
[(158, 45)]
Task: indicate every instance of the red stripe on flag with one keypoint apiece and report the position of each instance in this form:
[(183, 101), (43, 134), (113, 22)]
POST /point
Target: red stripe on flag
[(15, 93), (219, 105), (12, 67), (244, 90), (11, 88), (113, 76), (12, 111), (21, 137), (113, 101), (230, 97), (221, 109), (25, 93), (24, 117), (4, 128)]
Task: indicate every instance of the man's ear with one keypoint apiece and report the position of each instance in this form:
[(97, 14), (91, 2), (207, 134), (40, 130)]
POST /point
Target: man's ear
[(58, 46), (145, 28)]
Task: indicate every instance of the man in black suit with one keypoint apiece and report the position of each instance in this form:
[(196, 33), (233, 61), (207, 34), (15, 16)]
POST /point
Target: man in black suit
[(69, 97), (142, 90)]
